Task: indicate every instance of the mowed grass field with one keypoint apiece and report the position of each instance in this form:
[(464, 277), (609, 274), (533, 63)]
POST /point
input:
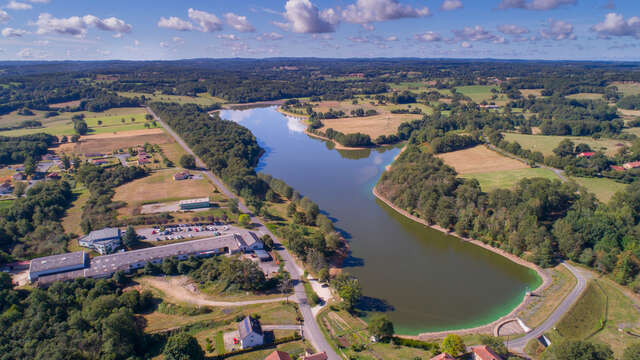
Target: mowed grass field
[(586, 316), (201, 99), (479, 93), (603, 188), (546, 143), (479, 159), (160, 187), (110, 121), (508, 179), (373, 126), (108, 142), (585, 96)]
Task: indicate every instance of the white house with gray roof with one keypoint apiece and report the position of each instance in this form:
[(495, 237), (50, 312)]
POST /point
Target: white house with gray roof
[(250, 333), (104, 241)]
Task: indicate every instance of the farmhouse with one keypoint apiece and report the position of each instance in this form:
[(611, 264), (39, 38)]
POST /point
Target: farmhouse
[(483, 352), (443, 356), (250, 333), (317, 356), (617, 168), (103, 241), (631, 165), (57, 264), (191, 204), (104, 266), (587, 155)]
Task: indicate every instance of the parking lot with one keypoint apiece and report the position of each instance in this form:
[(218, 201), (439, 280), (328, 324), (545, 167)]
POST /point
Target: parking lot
[(183, 232)]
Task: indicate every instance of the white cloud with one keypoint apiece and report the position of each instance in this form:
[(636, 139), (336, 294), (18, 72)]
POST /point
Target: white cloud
[(428, 36), (26, 53), (558, 30), (240, 23), (475, 33), (466, 45), (208, 22), (534, 4), (615, 25), (304, 17), (448, 5), (230, 37), (175, 23), (11, 32), (15, 5), (42, 42), (178, 40), (4, 17), (511, 29), (164, 44), (358, 39), (77, 26), (108, 24), (269, 36), (392, 38), (39, 1), (367, 11)]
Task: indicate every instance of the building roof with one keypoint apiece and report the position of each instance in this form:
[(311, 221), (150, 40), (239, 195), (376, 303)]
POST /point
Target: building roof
[(107, 264), (617, 168), (586, 154), (261, 254), (443, 356), (249, 325), (278, 355), (102, 234), (483, 352), (633, 164), (316, 356), (193, 201), (53, 262)]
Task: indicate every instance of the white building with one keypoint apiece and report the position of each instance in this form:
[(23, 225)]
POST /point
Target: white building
[(250, 333), (103, 241)]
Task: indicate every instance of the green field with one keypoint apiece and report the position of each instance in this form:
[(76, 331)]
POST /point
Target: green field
[(479, 93), (201, 99), (546, 143), (585, 317), (5, 204), (509, 178), (603, 188), (111, 121)]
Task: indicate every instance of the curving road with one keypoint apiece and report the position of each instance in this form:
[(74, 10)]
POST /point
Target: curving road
[(311, 330), (566, 304)]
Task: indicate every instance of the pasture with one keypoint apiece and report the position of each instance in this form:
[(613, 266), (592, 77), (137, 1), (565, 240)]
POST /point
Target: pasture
[(602, 188), (546, 143), (203, 99), (628, 88), (585, 96), (373, 126), (479, 93), (508, 179), (108, 142), (479, 159)]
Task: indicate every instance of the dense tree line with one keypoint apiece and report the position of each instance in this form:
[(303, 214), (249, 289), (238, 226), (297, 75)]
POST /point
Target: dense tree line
[(631, 102), (14, 150), (100, 211), (228, 149), (30, 227), (82, 320), (540, 219)]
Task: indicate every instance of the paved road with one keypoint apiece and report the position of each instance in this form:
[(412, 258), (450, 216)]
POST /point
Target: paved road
[(519, 344), (311, 330)]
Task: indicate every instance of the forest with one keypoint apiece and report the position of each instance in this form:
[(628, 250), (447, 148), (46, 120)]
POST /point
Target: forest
[(541, 220), (15, 150)]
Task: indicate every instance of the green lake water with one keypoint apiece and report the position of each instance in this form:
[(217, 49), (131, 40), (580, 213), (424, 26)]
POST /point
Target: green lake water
[(424, 279)]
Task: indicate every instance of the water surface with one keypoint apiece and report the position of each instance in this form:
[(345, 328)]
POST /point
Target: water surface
[(428, 281)]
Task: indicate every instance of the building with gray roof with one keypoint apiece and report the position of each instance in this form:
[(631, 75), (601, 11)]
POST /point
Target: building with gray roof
[(104, 241), (57, 264), (250, 333)]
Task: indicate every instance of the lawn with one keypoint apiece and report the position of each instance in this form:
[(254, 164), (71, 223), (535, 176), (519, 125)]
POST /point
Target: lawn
[(509, 178), (160, 187), (480, 159), (586, 316), (108, 142), (202, 99), (546, 143), (540, 307), (603, 188), (73, 217), (173, 151), (4, 204)]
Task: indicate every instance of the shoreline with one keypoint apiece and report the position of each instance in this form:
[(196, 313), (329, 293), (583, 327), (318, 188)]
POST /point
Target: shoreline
[(487, 328)]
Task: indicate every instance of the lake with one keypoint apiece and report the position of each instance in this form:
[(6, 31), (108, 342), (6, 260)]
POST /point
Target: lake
[(428, 281)]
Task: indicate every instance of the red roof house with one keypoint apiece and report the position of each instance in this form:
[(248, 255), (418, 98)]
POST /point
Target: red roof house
[(278, 355), (483, 352), (443, 356), (617, 168), (316, 356), (632, 165), (586, 154)]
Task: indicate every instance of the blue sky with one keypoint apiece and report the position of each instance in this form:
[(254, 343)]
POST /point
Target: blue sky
[(146, 29)]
